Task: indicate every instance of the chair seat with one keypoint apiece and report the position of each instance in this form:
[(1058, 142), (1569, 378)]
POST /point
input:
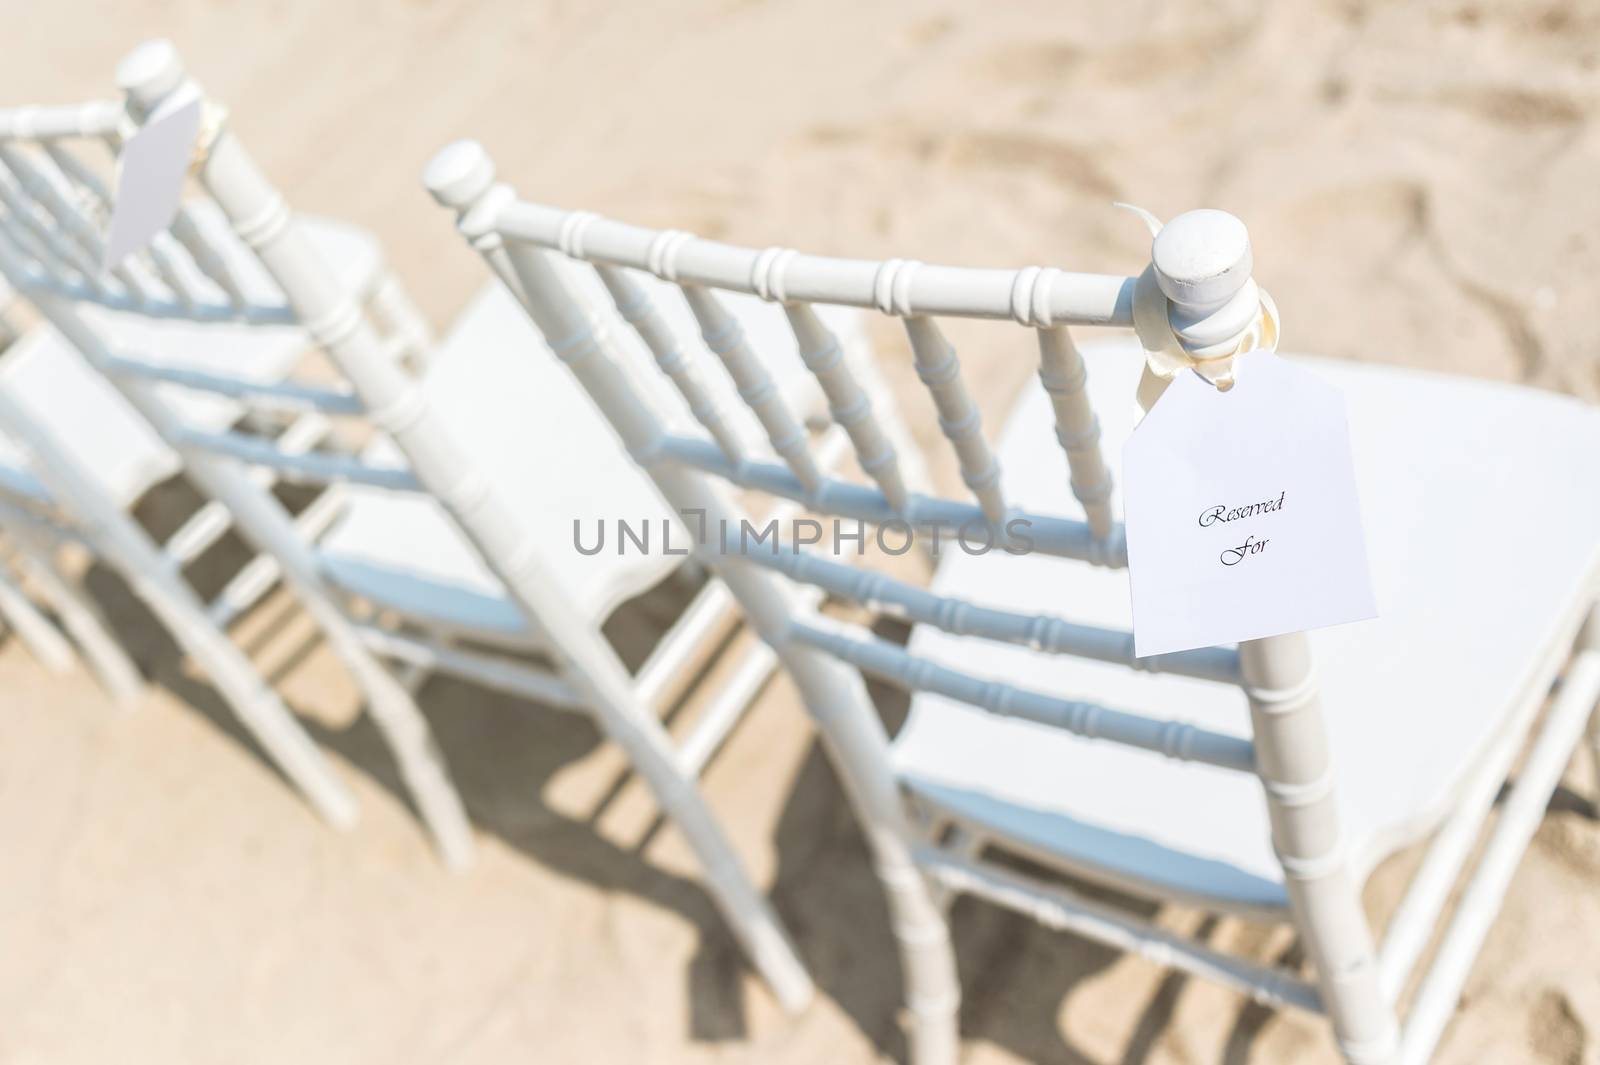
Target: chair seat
[(97, 427), (1483, 550), (528, 425)]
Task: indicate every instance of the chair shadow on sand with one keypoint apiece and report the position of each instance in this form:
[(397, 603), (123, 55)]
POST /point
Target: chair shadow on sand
[(1015, 973)]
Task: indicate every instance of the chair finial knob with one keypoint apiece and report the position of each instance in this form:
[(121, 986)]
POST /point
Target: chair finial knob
[(459, 173), (149, 72), (1202, 258)]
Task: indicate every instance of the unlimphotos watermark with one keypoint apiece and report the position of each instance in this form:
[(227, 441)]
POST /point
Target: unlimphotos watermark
[(893, 536)]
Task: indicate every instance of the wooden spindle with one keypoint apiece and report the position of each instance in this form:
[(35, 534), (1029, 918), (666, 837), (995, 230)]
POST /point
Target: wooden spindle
[(43, 183), (1063, 374), (959, 419), (848, 403), (725, 337), (46, 245), (639, 311), (95, 200), (1296, 771)]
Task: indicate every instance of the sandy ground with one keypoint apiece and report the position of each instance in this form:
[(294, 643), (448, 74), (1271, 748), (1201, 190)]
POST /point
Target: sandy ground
[(1420, 185)]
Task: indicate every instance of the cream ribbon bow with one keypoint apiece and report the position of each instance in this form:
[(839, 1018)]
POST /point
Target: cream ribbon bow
[(1175, 339)]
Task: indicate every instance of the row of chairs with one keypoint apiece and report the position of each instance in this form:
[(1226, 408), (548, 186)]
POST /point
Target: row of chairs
[(252, 349)]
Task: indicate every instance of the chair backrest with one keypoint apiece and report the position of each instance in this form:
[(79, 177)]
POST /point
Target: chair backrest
[(55, 203), (376, 390), (1195, 304), (519, 238)]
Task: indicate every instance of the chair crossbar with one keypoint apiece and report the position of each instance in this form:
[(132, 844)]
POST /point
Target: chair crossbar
[(1059, 537), (33, 279), (1480, 900), (515, 678), (206, 525), (309, 467), (1041, 632), (100, 118), (894, 287), (1411, 925), (734, 696), (893, 664), (246, 587), (674, 656), (1058, 907), (272, 396)]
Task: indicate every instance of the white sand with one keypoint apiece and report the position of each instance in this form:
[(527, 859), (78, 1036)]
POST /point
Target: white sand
[(1420, 185)]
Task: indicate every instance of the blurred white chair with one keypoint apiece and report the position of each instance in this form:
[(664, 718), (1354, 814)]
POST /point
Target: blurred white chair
[(1428, 706), (75, 458), (438, 551)]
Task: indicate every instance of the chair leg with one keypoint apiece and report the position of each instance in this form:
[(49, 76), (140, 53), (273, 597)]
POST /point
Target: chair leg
[(82, 618), (269, 529), (36, 632), (1593, 740), (1296, 773), (255, 704), (760, 933), (855, 741), (157, 582), (422, 765)]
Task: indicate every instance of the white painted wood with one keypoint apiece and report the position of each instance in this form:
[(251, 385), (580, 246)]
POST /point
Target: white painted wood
[(848, 402), (37, 634), (1073, 298), (463, 179), (80, 616), (246, 364), (1480, 652), (959, 419), (725, 337), (1053, 536), (1039, 632), (1058, 907), (402, 409), (635, 307), (141, 564), (1472, 651), (1519, 817), (886, 661), (1324, 895), (1063, 375)]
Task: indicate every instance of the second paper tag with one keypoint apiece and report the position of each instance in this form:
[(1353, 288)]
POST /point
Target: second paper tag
[(1241, 511)]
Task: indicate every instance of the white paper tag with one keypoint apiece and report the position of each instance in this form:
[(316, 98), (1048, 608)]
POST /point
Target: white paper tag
[(1241, 511), (150, 173)]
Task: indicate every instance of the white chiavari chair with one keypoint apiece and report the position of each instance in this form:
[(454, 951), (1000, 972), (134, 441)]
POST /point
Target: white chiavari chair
[(214, 332), (444, 555), (1252, 802)]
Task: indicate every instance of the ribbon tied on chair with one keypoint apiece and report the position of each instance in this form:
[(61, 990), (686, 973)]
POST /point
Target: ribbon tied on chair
[(1204, 335)]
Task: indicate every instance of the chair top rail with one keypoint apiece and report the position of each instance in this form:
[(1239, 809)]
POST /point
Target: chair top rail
[(891, 663), (1041, 632), (1032, 295), (97, 118)]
